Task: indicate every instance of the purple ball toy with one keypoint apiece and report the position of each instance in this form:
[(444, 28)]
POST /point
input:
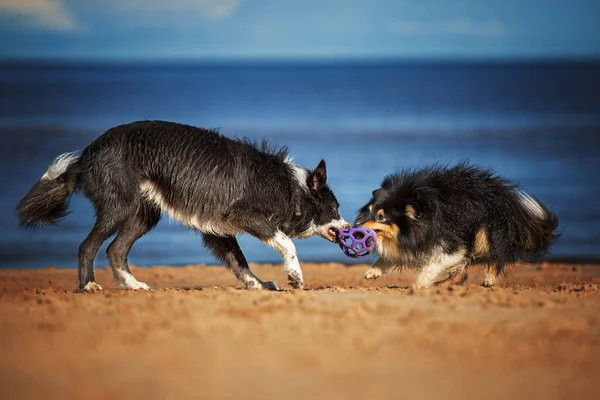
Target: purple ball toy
[(356, 242)]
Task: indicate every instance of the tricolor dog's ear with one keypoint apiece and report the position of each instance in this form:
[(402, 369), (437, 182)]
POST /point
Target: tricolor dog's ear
[(375, 192), (422, 202), (414, 207), (412, 210), (319, 178)]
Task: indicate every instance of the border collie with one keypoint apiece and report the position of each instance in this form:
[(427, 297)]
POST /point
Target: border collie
[(441, 219), (214, 185)]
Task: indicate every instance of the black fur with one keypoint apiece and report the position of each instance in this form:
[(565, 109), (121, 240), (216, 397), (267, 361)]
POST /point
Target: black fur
[(216, 185), (449, 206), (48, 201)]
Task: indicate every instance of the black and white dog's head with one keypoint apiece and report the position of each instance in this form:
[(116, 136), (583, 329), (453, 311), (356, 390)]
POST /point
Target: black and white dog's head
[(318, 208)]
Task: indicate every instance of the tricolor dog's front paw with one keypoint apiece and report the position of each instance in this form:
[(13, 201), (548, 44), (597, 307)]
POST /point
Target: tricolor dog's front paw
[(373, 273), (489, 280)]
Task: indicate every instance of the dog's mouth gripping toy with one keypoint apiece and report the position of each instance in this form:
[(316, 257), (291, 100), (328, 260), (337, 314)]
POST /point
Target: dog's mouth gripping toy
[(356, 242)]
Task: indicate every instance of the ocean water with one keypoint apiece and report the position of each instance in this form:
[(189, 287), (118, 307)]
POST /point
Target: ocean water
[(536, 124)]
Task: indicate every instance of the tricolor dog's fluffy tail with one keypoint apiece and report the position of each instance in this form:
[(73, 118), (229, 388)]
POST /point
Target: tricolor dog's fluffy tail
[(48, 200), (535, 224)]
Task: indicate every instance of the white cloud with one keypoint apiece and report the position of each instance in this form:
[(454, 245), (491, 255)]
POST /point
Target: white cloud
[(451, 27), (55, 15), (208, 9), (49, 14)]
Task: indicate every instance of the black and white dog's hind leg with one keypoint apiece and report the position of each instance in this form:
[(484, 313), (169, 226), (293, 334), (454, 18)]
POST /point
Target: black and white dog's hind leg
[(134, 227), (102, 230), (129, 224), (227, 249), (120, 210)]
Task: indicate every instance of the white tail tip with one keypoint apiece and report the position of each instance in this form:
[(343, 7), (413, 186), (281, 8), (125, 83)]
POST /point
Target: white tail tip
[(60, 165), (531, 205)]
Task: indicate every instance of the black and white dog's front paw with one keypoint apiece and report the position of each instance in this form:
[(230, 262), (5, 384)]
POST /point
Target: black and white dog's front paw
[(254, 283), (270, 286), (296, 284)]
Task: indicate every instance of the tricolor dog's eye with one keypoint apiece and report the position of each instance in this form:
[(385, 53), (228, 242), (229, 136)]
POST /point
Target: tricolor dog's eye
[(380, 217)]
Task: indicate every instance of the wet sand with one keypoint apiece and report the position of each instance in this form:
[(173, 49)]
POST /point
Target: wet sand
[(198, 335)]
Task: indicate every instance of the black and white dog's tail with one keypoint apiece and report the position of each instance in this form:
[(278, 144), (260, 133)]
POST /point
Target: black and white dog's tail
[(48, 200), (535, 225)]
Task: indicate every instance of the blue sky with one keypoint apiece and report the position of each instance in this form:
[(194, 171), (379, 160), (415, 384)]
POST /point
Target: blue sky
[(304, 29)]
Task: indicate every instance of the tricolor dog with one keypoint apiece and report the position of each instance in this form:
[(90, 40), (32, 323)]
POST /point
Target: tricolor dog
[(442, 219)]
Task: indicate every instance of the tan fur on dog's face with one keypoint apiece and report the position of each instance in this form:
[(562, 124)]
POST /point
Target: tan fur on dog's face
[(388, 217), (386, 233)]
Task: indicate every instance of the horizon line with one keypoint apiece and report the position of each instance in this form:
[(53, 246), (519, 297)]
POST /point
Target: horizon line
[(297, 60)]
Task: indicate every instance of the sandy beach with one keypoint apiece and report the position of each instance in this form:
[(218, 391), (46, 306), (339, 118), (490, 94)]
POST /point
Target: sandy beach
[(199, 335)]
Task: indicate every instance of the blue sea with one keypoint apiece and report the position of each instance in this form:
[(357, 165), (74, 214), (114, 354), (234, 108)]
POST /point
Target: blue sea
[(535, 123)]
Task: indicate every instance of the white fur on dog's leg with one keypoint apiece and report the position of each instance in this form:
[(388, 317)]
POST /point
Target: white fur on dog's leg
[(253, 284), (291, 265), (441, 262), (92, 287), (127, 281), (373, 273), (421, 284), (489, 280), (378, 269)]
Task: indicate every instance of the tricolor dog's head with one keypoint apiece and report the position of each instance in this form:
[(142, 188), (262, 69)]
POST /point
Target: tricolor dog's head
[(397, 218), (324, 215)]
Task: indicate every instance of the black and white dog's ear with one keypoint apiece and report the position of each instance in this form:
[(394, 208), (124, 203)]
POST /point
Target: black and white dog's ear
[(319, 178)]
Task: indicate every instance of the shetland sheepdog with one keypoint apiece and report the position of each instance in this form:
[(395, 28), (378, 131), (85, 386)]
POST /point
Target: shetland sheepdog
[(442, 219)]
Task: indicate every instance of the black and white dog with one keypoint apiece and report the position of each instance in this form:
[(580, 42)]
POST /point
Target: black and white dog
[(215, 185), (442, 219)]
